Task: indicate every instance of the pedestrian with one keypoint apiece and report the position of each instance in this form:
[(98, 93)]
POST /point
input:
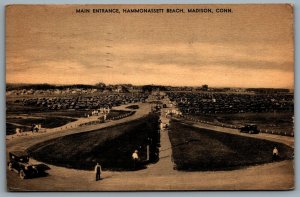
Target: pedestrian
[(18, 131), (32, 127), (36, 128), (135, 158), (275, 153), (98, 171)]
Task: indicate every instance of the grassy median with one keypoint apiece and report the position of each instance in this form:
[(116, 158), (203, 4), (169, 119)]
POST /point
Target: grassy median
[(111, 147), (196, 149)]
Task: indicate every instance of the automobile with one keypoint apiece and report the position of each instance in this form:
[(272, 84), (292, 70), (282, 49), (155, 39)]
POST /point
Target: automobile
[(19, 162), (249, 128)]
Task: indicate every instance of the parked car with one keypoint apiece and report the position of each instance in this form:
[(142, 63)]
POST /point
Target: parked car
[(249, 128), (19, 162)]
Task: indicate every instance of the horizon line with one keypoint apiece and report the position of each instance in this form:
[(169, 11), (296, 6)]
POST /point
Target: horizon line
[(55, 84)]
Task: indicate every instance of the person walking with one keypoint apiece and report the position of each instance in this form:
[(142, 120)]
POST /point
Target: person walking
[(135, 158), (98, 171), (18, 131), (275, 153), (32, 127)]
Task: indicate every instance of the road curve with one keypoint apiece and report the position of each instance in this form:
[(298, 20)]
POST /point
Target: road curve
[(25, 141), (272, 176)]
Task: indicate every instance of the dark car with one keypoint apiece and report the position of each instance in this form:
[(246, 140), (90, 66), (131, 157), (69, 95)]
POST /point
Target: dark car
[(250, 128), (19, 162)]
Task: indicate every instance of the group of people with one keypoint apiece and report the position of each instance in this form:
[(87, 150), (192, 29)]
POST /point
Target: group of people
[(33, 128)]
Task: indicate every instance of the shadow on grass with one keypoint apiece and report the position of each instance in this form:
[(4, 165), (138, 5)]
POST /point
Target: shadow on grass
[(196, 149), (112, 147)]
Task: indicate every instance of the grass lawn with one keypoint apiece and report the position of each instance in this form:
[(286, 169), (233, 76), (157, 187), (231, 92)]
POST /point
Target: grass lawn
[(111, 146), (203, 150), (277, 122)]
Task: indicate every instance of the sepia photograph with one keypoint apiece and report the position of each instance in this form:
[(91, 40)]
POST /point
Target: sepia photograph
[(149, 97)]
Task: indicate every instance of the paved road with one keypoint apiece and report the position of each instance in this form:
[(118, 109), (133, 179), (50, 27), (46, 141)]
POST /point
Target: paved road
[(277, 138), (23, 142), (160, 176)]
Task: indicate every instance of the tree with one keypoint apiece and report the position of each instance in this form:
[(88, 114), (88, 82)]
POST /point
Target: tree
[(100, 86), (204, 87)]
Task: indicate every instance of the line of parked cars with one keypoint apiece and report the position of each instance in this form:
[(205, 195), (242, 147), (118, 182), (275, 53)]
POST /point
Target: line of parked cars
[(249, 128)]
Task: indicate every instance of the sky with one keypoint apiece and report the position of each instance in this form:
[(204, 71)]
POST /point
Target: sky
[(253, 46)]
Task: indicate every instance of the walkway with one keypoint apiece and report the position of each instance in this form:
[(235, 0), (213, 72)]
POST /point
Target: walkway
[(165, 164), (159, 176)]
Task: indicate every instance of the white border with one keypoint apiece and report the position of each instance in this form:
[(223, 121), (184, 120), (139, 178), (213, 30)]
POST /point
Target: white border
[(3, 191)]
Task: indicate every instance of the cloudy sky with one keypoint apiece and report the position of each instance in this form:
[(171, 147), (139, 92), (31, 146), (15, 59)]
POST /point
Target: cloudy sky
[(250, 47)]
